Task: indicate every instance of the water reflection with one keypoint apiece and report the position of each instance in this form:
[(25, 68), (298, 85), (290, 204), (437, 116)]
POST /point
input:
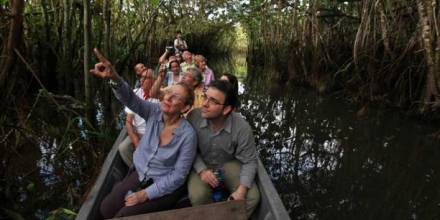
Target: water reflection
[(328, 164), (52, 162)]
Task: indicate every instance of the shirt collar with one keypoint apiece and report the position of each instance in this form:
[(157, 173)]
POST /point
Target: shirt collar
[(160, 117), (227, 126), (178, 130), (228, 123), (204, 123)]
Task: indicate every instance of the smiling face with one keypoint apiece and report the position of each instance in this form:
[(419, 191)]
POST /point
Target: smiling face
[(175, 100)]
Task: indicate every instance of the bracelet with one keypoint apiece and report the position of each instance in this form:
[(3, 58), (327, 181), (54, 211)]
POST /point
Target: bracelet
[(114, 84)]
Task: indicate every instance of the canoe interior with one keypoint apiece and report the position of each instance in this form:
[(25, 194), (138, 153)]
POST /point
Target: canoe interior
[(230, 210), (114, 170)]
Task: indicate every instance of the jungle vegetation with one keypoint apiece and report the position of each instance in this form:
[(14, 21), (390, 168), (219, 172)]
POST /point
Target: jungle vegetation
[(375, 51)]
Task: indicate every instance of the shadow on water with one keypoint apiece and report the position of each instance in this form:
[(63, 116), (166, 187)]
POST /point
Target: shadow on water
[(328, 164), (52, 161)]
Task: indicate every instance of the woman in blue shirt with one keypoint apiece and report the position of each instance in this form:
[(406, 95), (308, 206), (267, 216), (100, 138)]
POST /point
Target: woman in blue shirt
[(165, 153)]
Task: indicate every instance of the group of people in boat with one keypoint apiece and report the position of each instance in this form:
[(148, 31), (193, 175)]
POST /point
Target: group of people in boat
[(183, 127)]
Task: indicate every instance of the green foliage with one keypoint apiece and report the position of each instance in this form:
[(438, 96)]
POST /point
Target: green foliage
[(365, 48), (61, 213), (52, 149)]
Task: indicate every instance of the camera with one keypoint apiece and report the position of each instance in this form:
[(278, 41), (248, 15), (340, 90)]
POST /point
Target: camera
[(170, 49)]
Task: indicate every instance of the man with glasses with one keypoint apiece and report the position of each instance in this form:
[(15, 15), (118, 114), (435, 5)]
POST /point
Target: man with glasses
[(226, 143)]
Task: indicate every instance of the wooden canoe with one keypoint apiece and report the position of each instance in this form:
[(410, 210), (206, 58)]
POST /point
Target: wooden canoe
[(114, 169)]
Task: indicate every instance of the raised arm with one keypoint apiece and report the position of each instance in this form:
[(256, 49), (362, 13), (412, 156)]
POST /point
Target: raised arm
[(163, 58), (155, 89), (122, 91)]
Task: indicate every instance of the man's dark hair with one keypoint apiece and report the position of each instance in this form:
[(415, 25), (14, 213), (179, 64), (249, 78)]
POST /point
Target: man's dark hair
[(233, 80), (231, 97), (173, 61)]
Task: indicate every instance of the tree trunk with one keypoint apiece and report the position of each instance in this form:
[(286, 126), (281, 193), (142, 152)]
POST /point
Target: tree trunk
[(431, 92), (9, 57), (64, 67), (384, 28), (86, 61), (108, 116)]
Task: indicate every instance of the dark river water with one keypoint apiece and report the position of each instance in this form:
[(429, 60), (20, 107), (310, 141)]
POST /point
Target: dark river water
[(328, 163)]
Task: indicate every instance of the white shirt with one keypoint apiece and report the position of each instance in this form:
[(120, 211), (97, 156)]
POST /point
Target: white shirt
[(138, 121)]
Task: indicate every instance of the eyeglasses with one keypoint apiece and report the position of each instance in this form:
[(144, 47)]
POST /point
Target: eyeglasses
[(174, 97), (210, 100)]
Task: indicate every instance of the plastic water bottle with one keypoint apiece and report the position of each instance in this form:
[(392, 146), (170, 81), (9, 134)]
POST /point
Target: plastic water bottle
[(129, 192), (218, 193)]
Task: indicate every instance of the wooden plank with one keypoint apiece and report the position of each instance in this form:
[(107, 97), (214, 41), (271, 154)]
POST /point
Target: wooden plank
[(271, 206), (90, 208), (231, 210)]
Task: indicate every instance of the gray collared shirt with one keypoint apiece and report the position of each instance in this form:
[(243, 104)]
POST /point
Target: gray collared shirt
[(168, 164), (234, 141)]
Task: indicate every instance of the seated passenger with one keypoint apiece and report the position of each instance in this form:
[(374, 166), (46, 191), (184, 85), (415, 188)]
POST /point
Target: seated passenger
[(167, 57), (187, 61), (191, 77), (165, 153), (135, 124), (207, 73), (231, 79), (173, 75), (225, 142), (178, 57), (138, 69), (234, 81), (179, 43)]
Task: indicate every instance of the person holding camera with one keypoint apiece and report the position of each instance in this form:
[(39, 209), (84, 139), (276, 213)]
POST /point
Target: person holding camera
[(167, 56), (179, 43)]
